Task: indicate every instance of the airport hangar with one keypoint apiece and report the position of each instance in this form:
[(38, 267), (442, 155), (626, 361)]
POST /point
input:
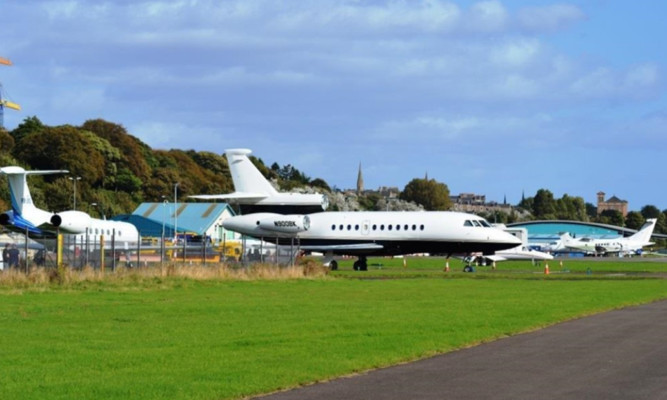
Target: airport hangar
[(196, 218), (545, 231)]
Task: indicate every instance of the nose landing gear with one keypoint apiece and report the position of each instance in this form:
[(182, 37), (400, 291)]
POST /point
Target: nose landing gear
[(361, 264)]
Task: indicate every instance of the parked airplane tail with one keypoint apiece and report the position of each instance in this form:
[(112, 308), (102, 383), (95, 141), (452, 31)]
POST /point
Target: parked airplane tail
[(565, 237), (246, 177), (644, 233), (18, 186), (23, 210), (254, 193)]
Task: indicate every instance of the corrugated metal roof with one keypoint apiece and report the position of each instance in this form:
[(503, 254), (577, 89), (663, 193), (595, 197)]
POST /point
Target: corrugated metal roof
[(146, 227), (191, 217)]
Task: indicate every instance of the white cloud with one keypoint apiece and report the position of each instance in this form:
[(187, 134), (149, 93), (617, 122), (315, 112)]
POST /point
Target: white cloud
[(517, 52), (487, 16), (646, 75), (549, 18)]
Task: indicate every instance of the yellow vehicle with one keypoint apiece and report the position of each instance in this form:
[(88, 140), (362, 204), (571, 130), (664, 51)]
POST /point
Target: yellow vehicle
[(231, 250)]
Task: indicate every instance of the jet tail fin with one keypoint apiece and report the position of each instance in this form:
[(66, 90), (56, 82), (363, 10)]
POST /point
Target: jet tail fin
[(645, 232), (18, 186), (246, 177)]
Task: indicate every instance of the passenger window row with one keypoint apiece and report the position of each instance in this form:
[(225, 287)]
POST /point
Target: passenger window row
[(97, 231), (375, 227)]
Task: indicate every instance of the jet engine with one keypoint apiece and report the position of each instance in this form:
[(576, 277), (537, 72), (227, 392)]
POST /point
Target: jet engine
[(5, 219), (71, 221), (285, 223)]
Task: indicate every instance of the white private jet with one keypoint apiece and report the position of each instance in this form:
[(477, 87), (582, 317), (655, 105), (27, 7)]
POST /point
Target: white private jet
[(255, 194), (622, 245), (518, 253), (360, 234), (26, 217)]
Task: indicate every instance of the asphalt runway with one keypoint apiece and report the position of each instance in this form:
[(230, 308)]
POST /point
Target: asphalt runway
[(620, 354)]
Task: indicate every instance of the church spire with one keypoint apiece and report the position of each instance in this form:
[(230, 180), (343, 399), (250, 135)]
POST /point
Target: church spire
[(360, 181)]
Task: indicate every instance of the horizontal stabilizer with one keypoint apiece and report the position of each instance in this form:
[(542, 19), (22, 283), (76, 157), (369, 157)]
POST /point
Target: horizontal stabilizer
[(231, 196), (13, 170)]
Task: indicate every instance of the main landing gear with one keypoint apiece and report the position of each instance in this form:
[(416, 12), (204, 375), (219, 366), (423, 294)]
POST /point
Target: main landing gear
[(361, 264), (471, 262)]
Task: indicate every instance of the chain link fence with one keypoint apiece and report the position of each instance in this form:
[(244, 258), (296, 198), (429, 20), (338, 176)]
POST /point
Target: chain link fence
[(99, 252)]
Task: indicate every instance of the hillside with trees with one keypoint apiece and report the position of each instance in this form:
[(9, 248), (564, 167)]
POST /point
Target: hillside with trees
[(118, 172)]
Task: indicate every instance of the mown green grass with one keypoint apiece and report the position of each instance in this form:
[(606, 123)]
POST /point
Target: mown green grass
[(434, 266), (213, 339)]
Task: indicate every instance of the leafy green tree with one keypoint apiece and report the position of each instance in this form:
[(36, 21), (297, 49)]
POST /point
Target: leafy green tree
[(6, 141), (63, 147), (570, 208), (130, 148), (526, 204), (290, 174), (661, 225), (544, 205), (127, 182), (217, 167), (612, 217), (369, 202), (5, 201), (161, 183), (634, 220), (433, 195), (321, 184), (60, 194), (650, 211), (28, 126)]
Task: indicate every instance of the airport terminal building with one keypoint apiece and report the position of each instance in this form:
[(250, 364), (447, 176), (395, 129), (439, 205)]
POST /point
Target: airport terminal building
[(547, 231)]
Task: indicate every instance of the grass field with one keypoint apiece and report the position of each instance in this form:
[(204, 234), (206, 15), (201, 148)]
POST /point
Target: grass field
[(220, 337)]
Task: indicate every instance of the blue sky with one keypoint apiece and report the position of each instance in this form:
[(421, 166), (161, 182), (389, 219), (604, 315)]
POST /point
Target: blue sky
[(492, 97)]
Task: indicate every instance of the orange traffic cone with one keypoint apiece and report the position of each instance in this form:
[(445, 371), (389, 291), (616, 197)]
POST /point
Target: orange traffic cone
[(546, 268), (447, 266)]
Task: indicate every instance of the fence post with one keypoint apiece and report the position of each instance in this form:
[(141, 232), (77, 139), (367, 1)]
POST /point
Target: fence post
[(59, 250), (113, 250), (26, 251), (102, 252), (204, 243), (138, 249), (185, 242), (87, 247)]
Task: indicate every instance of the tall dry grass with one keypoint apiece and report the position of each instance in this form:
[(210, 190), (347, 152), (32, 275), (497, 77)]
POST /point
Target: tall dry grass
[(66, 277)]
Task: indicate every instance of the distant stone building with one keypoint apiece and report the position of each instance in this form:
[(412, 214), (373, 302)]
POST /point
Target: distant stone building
[(476, 203), (469, 199), (613, 203), (388, 192)]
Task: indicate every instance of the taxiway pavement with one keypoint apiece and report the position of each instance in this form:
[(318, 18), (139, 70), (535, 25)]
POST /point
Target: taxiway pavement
[(621, 354)]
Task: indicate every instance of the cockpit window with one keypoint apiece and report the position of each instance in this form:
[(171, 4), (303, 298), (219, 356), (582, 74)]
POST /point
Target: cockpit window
[(484, 223), (467, 223), (476, 223)]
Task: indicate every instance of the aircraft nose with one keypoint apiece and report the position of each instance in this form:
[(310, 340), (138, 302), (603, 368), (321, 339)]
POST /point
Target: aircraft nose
[(232, 224), (515, 240)]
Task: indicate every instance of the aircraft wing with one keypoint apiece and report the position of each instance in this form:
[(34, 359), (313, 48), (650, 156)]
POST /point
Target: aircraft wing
[(495, 257), (231, 196), (343, 247)]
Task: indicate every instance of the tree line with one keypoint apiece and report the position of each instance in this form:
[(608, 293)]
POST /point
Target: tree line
[(118, 172)]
